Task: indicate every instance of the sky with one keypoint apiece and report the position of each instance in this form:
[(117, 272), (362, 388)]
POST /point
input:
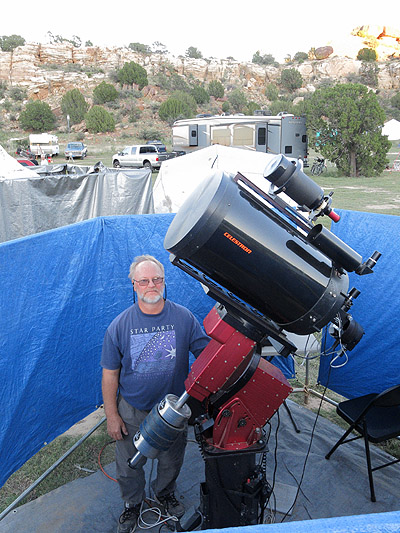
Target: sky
[(217, 28)]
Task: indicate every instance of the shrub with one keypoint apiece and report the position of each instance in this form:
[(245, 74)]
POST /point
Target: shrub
[(139, 47), (3, 89), (73, 103), (251, 107), (173, 109), (291, 79), (148, 134), (104, 92), (238, 100), (271, 92), (132, 73), (177, 83), (366, 54), (300, 57), (216, 89), (7, 105), (395, 101), (17, 94), (200, 94), (99, 120), (134, 114), (188, 101), (226, 106), (266, 59), (37, 116), (369, 74)]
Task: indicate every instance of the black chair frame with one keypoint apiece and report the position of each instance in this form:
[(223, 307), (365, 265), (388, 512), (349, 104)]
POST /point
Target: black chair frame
[(376, 417)]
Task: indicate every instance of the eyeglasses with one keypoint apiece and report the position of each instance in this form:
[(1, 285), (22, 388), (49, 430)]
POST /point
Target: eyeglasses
[(145, 282)]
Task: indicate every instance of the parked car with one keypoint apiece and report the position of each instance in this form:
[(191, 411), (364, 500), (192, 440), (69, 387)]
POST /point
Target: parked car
[(161, 148), (75, 149), (139, 155)]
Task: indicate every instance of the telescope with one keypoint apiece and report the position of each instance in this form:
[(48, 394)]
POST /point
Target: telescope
[(272, 268)]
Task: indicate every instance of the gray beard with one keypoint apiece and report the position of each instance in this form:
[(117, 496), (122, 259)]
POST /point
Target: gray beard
[(150, 299)]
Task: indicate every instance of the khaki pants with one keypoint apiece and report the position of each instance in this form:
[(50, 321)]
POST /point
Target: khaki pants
[(132, 481)]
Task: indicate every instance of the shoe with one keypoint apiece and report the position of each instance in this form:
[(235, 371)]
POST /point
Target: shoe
[(171, 505), (127, 522)]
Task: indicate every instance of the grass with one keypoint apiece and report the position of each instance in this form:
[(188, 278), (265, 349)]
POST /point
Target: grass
[(85, 456), (378, 195)]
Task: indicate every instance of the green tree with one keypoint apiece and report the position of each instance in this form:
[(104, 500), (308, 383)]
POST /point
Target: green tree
[(216, 89), (132, 73), (139, 47), (73, 103), (179, 105), (366, 54), (37, 116), (193, 53), (200, 94), (300, 57), (291, 79), (344, 124), (18, 94), (369, 74), (104, 92), (171, 110), (395, 101), (99, 120), (8, 43), (271, 92), (251, 107), (188, 101), (266, 59), (238, 100)]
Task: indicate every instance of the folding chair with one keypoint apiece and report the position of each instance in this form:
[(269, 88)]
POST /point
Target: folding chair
[(377, 418)]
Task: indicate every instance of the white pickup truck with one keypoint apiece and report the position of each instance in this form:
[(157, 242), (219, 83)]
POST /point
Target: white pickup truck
[(138, 156)]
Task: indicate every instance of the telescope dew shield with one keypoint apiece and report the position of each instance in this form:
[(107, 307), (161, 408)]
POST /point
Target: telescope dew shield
[(254, 253), (341, 254)]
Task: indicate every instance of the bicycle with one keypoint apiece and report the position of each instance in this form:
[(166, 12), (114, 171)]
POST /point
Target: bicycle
[(318, 166)]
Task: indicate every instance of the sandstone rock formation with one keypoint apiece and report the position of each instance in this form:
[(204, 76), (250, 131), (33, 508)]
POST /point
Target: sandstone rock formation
[(48, 71)]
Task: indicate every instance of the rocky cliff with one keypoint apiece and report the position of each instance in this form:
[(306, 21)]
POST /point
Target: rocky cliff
[(48, 71)]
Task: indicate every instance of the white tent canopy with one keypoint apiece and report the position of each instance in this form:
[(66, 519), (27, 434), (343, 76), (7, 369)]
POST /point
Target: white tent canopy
[(11, 169), (178, 177), (392, 130)]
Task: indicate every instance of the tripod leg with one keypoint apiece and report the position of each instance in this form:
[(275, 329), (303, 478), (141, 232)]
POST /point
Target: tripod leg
[(291, 416)]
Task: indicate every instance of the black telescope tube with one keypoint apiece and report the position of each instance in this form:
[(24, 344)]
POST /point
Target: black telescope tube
[(340, 253)]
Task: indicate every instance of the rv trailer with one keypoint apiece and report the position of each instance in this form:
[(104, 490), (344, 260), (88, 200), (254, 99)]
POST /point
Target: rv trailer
[(281, 134)]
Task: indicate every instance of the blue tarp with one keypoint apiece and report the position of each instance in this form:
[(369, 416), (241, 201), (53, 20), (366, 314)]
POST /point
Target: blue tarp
[(369, 523), (374, 364), (60, 289)]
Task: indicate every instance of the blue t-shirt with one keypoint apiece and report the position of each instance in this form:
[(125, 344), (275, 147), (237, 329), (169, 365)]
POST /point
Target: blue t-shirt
[(152, 352)]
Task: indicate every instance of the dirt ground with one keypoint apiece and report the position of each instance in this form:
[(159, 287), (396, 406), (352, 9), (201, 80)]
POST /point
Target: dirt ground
[(86, 424)]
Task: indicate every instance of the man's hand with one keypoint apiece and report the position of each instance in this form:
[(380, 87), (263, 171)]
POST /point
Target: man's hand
[(116, 427)]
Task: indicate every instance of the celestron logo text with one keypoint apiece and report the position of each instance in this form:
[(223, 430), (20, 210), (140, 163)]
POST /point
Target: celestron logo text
[(238, 243)]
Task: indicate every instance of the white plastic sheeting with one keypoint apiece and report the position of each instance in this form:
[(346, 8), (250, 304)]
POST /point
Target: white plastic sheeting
[(58, 195)]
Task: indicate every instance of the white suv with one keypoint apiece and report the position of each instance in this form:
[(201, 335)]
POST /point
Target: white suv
[(138, 156)]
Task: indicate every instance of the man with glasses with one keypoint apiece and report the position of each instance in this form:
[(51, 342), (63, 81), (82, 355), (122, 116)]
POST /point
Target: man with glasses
[(146, 356)]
